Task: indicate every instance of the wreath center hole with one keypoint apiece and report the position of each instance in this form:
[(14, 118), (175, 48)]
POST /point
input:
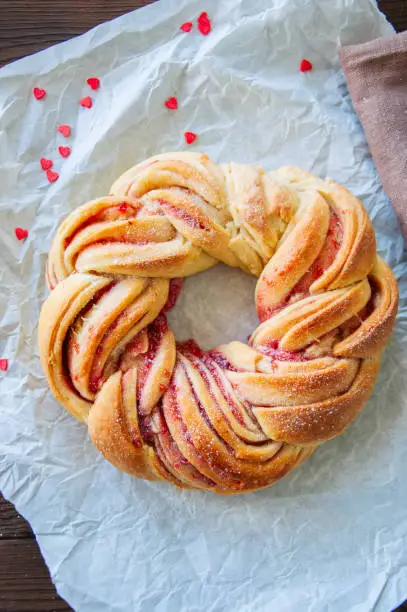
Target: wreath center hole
[(215, 307)]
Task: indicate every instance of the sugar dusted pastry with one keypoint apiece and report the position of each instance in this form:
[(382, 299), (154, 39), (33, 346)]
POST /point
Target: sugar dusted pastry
[(239, 417)]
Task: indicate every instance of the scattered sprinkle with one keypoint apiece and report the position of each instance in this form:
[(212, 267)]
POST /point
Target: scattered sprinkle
[(46, 164), (123, 207), (65, 130), (204, 24), (93, 82), (305, 65), (64, 151), (52, 176), (4, 365), (86, 102), (186, 27), (171, 103), (190, 137), (21, 234), (39, 93)]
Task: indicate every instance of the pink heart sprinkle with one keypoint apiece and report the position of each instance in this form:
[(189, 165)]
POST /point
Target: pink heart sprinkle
[(39, 93), (186, 27), (64, 151), (4, 365), (52, 176), (171, 103), (204, 24), (65, 130), (93, 82), (21, 234), (305, 65), (190, 137), (86, 102), (46, 164)]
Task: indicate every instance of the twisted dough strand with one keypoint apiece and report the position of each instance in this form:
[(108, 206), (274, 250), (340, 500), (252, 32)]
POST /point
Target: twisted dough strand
[(237, 418)]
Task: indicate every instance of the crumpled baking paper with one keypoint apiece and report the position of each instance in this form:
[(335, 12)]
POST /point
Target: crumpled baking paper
[(331, 535)]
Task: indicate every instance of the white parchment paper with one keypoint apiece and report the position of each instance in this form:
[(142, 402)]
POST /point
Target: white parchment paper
[(332, 535)]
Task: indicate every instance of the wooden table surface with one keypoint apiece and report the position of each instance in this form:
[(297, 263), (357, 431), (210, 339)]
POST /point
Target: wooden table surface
[(27, 26)]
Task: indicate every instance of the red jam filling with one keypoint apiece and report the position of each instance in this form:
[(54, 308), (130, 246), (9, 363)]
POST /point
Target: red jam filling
[(137, 345), (186, 217), (350, 326), (324, 261), (173, 407), (174, 293), (155, 333), (171, 455), (119, 212), (271, 349), (95, 377), (95, 382), (221, 360), (209, 363), (325, 258), (265, 313), (146, 430), (213, 361), (190, 346)]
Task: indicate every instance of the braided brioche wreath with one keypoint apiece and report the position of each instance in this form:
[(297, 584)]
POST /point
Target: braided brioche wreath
[(239, 417)]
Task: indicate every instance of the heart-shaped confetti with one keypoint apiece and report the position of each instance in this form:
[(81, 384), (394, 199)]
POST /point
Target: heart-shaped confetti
[(64, 151), (186, 27), (39, 93), (21, 234), (46, 164), (190, 137), (204, 24), (52, 176), (305, 66), (171, 103), (86, 102), (65, 130), (93, 82), (4, 365)]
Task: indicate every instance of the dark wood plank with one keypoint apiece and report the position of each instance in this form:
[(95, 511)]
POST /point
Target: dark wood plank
[(12, 526), (27, 26), (25, 584), (396, 12)]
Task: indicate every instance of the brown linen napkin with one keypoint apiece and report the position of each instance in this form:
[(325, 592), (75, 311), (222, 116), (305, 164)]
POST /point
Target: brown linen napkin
[(376, 73)]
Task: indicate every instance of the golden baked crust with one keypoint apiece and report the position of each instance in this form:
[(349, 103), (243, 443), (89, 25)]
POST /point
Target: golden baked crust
[(239, 417)]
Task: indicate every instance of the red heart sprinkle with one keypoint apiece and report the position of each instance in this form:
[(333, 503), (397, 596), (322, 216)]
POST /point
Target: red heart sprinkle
[(204, 24), (171, 103), (305, 66), (39, 93), (190, 137), (4, 365), (123, 207), (52, 176), (46, 164), (65, 130), (21, 234), (186, 27), (86, 102), (93, 82), (64, 151)]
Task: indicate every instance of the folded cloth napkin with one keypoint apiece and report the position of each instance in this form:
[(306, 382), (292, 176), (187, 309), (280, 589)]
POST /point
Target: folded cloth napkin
[(376, 73)]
